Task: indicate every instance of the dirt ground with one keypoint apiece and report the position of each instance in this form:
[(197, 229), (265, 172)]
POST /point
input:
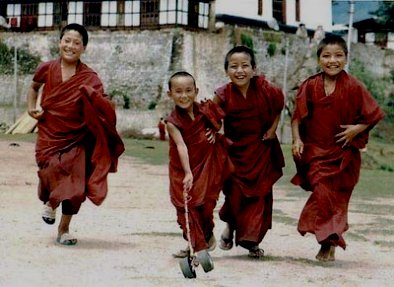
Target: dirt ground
[(128, 241)]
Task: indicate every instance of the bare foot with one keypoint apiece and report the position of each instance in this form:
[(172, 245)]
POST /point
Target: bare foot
[(331, 254), (226, 239), (324, 253)]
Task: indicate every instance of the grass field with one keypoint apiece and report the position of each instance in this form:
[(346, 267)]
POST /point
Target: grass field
[(376, 180)]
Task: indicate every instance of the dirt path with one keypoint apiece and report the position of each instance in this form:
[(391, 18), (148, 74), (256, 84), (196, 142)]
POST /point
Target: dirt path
[(128, 241)]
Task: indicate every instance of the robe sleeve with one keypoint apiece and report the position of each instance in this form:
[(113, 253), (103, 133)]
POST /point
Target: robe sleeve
[(41, 73)]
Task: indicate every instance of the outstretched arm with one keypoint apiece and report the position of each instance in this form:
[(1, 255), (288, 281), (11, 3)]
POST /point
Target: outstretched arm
[(32, 95), (175, 134), (297, 146)]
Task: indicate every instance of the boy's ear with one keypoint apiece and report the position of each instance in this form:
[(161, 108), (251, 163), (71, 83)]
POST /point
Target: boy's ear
[(169, 93), (197, 90)]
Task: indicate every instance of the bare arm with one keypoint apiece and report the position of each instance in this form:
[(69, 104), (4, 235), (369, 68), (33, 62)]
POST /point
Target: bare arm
[(32, 95), (175, 134), (298, 146)]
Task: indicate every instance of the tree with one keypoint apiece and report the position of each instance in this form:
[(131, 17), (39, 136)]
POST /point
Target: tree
[(385, 13)]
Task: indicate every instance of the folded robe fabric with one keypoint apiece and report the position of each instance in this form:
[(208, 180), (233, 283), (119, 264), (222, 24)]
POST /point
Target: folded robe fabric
[(77, 115), (326, 168), (209, 162)]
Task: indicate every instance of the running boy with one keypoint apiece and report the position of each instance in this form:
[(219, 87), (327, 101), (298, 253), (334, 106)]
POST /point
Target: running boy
[(252, 106), (198, 158), (77, 143), (333, 116)]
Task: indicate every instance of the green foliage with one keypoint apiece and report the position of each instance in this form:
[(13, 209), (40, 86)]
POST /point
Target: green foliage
[(152, 105), (247, 41), (5, 59), (120, 94), (376, 86), (26, 61), (270, 36), (271, 49), (385, 13)]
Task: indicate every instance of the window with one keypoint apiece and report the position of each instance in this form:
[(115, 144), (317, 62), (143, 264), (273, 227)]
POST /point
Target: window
[(150, 13), (45, 14), (75, 12), (108, 14), (92, 13), (29, 19), (132, 13), (203, 17), (14, 14), (260, 8), (298, 16), (279, 11), (167, 12)]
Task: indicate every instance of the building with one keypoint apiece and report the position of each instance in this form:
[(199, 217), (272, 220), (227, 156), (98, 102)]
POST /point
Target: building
[(286, 12), (371, 32), (36, 15), (25, 16)]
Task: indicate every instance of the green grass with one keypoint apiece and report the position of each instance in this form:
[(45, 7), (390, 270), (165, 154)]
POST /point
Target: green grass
[(153, 152), (373, 182)]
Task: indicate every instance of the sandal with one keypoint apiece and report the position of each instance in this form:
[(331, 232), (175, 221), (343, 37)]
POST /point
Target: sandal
[(256, 252), (66, 239), (48, 214)]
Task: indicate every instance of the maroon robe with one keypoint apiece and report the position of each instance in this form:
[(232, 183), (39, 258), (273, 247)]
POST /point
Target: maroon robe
[(258, 164), (77, 143), (210, 166), (327, 169)]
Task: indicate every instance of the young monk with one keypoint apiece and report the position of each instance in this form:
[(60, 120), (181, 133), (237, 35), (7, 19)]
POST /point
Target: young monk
[(333, 116), (252, 106), (77, 143), (199, 162)]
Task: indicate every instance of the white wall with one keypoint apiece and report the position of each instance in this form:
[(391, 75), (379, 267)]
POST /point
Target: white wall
[(316, 12), (312, 12), (244, 8)]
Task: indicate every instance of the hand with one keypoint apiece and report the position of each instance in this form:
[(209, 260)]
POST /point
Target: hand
[(269, 135), (187, 182), (211, 135), (36, 113), (297, 148), (349, 133)]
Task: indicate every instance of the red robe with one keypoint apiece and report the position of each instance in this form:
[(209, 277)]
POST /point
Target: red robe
[(258, 164), (326, 168), (210, 166), (77, 143)]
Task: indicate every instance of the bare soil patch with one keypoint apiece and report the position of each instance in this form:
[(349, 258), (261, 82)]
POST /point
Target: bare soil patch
[(128, 241)]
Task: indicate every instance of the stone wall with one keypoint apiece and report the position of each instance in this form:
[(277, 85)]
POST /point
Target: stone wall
[(137, 64)]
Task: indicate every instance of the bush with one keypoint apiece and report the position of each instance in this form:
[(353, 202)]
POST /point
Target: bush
[(271, 49), (25, 60)]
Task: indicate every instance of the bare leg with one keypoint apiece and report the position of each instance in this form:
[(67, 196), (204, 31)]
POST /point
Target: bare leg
[(331, 255), (64, 224), (324, 252), (63, 236)]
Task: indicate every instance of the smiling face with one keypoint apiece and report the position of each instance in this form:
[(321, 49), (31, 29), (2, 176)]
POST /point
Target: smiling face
[(71, 46), (332, 60), (240, 70), (183, 92)]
